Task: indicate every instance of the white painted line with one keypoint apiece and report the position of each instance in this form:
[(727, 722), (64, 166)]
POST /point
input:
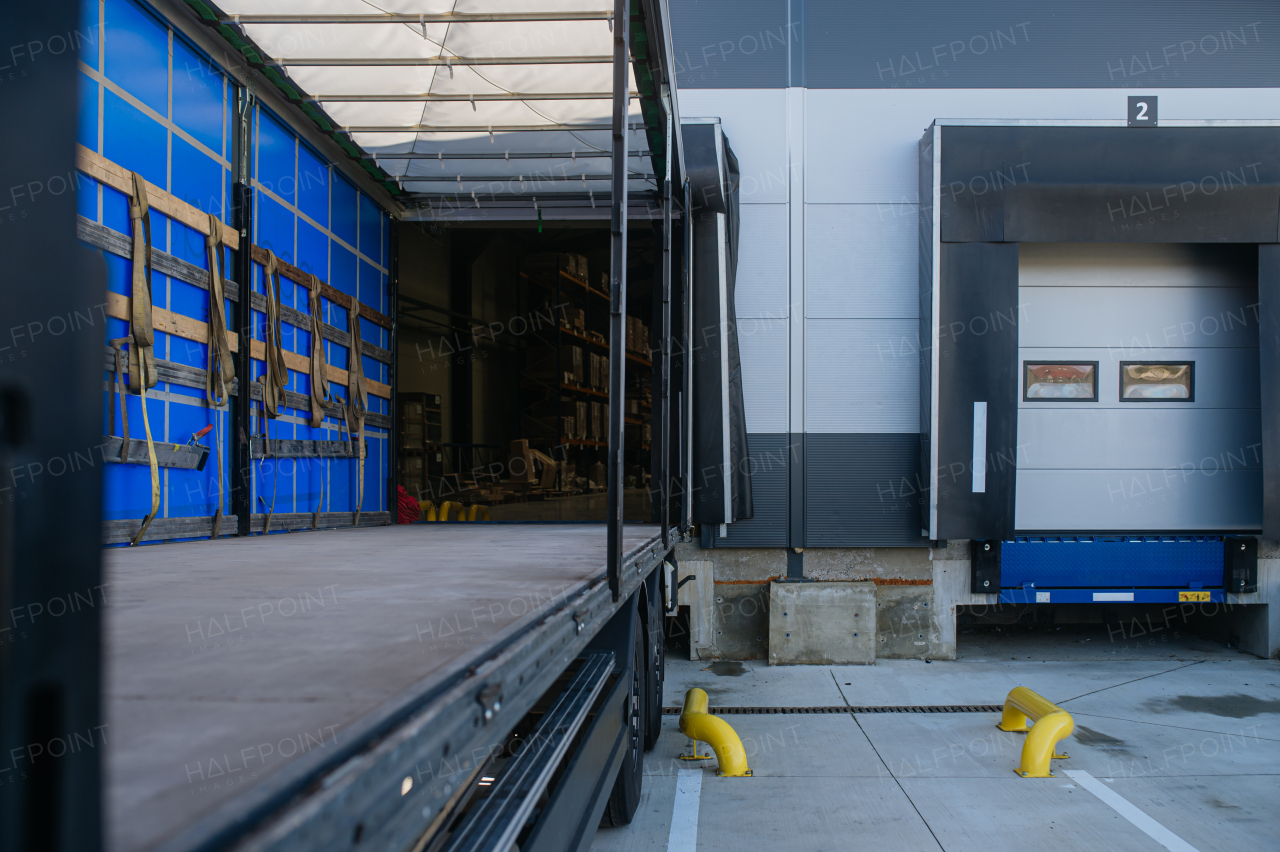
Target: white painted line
[(684, 813), (1131, 812)]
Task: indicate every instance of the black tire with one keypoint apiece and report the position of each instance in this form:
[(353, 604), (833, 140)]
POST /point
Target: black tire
[(656, 673), (625, 797)]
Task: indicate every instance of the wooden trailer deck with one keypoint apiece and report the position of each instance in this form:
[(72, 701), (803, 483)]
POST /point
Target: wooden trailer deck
[(232, 665)]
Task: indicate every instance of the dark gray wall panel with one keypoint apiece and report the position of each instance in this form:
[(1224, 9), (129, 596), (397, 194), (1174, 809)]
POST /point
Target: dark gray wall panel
[(1269, 362), (977, 363), (768, 528), (862, 490), (731, 44), (1002, 44), (1110, 184)]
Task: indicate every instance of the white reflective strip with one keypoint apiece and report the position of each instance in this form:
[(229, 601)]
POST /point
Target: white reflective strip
[(979, 447), (684, 813), (1131, 812), (1113, 596)]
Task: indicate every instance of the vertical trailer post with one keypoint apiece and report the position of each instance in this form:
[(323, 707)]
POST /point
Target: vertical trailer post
[(618, 285), (50, 407), (242, 405), (665, 429), (393, 434), (687, 343)]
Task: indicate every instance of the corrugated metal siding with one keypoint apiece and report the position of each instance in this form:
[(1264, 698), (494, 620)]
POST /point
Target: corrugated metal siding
[(167, 117), (769, 493), (860, 260), (860, 144), (762, 262), (762, 344), (730, 44), (862, 491), (861, 375), (1089, 43)]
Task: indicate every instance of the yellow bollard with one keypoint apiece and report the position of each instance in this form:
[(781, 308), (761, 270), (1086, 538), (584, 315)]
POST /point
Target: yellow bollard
[(444, 510), (476, 508), (1052, 725), (697, 724), (428, 510)]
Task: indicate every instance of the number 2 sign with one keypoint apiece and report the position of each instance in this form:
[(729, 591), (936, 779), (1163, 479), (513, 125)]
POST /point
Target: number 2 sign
[(1142, 111)]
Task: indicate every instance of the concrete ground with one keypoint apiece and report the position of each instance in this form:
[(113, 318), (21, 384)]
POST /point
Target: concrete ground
[(1178, 752)]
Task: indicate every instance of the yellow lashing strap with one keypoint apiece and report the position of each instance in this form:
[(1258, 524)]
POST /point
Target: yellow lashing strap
[(357, 402), (276, 376), (222, 370), (321, 396), (141, 341)]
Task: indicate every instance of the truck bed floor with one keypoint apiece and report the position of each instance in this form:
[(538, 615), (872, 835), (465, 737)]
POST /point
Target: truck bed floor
[(228, 660)]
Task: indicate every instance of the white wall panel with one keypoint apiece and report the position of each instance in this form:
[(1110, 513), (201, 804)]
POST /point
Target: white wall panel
[(1087, 438), (860, 260), (1137, 317), (755, 121), (862, 375), (861, 143), (762, 288), (1224, 378), (1136, 500), (1136, 265), (763, 347)]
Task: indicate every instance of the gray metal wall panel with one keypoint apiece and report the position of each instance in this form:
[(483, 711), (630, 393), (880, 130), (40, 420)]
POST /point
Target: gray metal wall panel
[(860, 260), (1138, 436), (763, 347), (762, 262), (768, 528), (1137, 317), (1225, 378), (1136, 265), (731, 44), (861, 375), (862, 491), (755, 122), (1087, 43), (861, 144), (1138, 500)]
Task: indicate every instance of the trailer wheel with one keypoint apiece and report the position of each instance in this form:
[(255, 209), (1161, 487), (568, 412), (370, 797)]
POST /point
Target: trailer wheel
[(655, 674), (625, 797)]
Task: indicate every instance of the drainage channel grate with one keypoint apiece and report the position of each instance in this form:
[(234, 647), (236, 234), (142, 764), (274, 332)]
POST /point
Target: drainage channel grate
[(800, 711)]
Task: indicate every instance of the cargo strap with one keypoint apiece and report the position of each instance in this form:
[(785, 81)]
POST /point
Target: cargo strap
[(277, 374), (141, 341), (321, 396), (222, 369), (357, 403)]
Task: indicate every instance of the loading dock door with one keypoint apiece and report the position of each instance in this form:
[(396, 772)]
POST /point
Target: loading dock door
[(1168, 436)]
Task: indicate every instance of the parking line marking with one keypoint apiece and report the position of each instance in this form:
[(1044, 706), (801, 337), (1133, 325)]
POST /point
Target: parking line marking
[(684, 812), (1131, 812)]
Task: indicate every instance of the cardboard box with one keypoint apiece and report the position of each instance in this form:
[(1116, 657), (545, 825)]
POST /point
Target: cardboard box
[(571, 363), (583, 419), (577, 318)]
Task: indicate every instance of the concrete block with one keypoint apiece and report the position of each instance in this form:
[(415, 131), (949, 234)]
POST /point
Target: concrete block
[(741, 620), (866, 563), (822, 623), (907, 626)]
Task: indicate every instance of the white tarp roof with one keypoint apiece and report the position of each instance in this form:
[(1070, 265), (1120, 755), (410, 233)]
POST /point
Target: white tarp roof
[(454, 103)]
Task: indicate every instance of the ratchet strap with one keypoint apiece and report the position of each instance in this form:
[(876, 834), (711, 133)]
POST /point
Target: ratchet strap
[(277, 373), (321, 396), (222, 369), (357, 402), (141, 341)]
